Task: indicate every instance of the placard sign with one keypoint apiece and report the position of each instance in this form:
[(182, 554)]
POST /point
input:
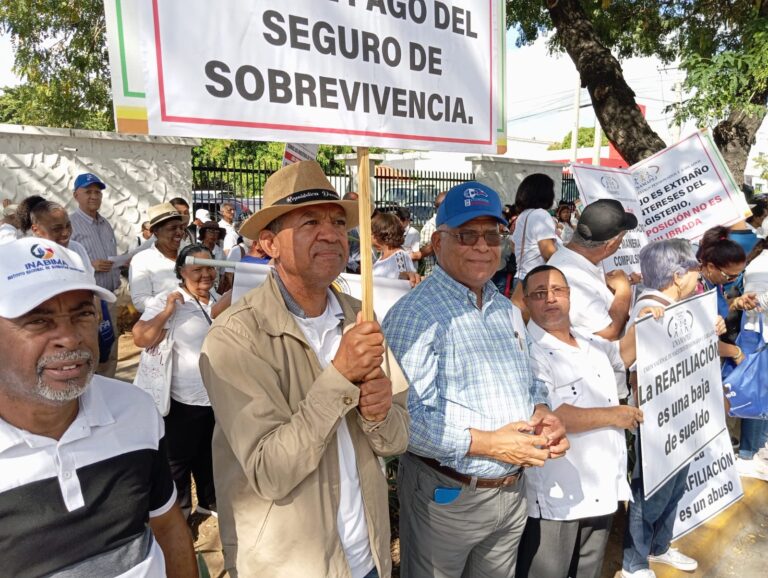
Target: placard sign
[(679, 387), (712, 484), (604, 183), (390, 73)]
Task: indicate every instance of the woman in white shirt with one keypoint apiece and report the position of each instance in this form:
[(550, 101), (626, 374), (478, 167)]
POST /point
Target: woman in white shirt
[(388, 233), (535, 235), (49, 220), (187, 312), (152, 271)]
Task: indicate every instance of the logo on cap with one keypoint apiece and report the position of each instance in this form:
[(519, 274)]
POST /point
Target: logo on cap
[(474, 197), (40, 252)]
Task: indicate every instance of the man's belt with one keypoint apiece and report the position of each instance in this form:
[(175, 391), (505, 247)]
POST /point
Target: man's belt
[(467, 480)]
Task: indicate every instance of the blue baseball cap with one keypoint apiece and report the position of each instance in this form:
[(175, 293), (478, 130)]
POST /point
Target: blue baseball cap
[(88, 179), (469, 201)]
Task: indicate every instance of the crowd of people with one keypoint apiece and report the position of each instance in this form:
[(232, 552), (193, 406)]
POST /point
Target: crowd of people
[(504, 381)]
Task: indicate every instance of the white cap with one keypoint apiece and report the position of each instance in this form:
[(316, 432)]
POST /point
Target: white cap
[(202, 215), (33, 270)]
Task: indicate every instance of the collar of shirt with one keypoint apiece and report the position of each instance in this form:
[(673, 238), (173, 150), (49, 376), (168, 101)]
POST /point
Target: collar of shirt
[(460, 292), (96, 220), (92, 412), (545, 339)]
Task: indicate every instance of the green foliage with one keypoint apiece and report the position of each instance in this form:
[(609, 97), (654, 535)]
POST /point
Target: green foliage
[(722, 45), (586, 139), (732, 79), (61, 56), (761, 162)]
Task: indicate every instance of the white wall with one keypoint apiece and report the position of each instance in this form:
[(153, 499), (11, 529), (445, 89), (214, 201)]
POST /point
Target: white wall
[(139, 171)]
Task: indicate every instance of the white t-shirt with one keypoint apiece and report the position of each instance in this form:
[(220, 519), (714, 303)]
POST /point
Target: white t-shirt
[(149, 274), (230, 237), (9, 233), (391, 267), (591, 298), (190, 327), (592, 477), (538, 226), (324, 336), (411, 243)]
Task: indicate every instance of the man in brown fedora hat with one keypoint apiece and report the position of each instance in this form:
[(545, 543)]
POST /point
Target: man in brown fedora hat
[(307, 398)]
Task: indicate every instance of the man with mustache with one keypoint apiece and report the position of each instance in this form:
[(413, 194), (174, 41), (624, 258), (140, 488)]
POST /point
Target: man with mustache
[(306, 400), (85, 488)]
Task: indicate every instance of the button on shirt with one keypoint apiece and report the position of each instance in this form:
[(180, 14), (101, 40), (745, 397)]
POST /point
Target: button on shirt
[(98, 238), (467, 368), (590, 297), (592, 477)]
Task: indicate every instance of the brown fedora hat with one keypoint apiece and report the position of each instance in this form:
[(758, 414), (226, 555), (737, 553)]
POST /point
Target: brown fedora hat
[(162, 212), (296, 186)]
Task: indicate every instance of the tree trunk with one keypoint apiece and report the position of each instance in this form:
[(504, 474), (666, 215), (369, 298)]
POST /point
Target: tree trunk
[(612, 98), (735, 136)]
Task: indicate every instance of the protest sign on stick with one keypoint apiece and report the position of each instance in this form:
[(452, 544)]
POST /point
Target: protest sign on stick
[(407, 74), (678, 387), (711, 486), (596, 183)]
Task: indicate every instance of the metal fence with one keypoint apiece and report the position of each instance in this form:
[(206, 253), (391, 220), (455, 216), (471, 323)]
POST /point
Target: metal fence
[(569, 192), (242, 183)]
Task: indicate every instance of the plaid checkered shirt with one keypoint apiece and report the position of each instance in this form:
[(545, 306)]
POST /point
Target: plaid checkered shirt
[(467, 368)]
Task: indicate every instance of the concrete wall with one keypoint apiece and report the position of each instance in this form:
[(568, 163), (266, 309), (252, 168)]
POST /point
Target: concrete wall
[(139, 171), (504, 175)]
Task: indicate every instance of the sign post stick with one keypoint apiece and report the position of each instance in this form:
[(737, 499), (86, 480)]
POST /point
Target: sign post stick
[(364, 203)]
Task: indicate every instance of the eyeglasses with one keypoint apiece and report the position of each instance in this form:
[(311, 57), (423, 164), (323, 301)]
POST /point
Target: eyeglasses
[(728, 276), (470, 238), (544, 293)]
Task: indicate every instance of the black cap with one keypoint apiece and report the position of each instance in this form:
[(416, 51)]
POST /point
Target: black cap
[(604, 219)]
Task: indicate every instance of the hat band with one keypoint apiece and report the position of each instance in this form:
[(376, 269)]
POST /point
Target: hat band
[(308, 197), (164, 216)]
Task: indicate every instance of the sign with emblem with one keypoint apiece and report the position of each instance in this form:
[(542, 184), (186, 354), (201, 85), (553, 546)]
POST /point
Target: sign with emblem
[(595, 183), (680, 191), (678, 387)]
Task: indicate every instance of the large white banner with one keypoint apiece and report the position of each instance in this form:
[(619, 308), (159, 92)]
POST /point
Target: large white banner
[(390, 73), (596, 183), (686, 189), (680, 191), (712, 484), (386, 292), (679, 387)]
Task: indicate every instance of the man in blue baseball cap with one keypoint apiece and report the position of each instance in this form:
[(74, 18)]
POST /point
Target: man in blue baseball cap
[(478, 417), (95, 233)]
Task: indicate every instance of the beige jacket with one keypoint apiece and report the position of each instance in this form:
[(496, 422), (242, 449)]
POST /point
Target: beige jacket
[(274, 447)]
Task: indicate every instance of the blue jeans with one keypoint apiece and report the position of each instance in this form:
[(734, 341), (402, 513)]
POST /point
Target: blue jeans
[(372, 574), (650, 522), (754, 434)]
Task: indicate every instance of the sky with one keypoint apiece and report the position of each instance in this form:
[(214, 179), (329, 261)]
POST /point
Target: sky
[(540, 91)]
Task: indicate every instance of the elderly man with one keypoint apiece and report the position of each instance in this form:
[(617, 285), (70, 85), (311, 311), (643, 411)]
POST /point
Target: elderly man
[(599, 302), (303, 407), (227, 222), (85, 488), (95, 233), (571, 501), (478, 415)]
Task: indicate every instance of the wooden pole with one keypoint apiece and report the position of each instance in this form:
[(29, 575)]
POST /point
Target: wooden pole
[(364, 202)]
